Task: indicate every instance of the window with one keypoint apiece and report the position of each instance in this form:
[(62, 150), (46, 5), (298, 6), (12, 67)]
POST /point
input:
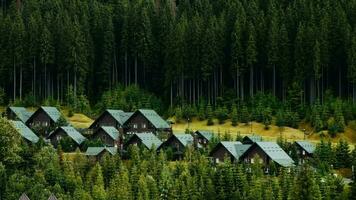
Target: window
[(252, 161), (135, 125), (303, 152), (143, 125), (217, 160)]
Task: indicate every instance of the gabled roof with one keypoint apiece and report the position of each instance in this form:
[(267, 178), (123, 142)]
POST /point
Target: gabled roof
[(206, 134), (25, 132), (149, 139), (184, 139), (71, 132), (119, 115), (307, 146), (52, 112), (21, 113), (24, 197), (235, 148), (254, 138), (94, 151), (276, 153), (52, 197), (111, 131), (152, 117)]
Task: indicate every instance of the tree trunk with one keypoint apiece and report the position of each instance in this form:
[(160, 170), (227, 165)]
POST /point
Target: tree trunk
[(251, 81), (242, 88), (136, 69), (34, 79), (126, 82), (21, 82), (171, 94), (14, 80), (238, 83), (45, 74), (274, 80), (340, 82)]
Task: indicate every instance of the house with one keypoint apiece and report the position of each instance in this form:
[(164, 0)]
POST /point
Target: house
[(44, 116), (250, 139), (99, 152), (25, 132), (24, 197), (177, 143), (18, 113), (109, 117), (228, 149), (147, 140), (144, 120), (109, 135), (66, 131), (203, 137), (305, 150), (266, 153), (52, 197)]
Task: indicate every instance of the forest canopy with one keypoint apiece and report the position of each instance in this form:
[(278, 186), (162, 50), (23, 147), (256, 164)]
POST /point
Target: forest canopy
[(182, 51)]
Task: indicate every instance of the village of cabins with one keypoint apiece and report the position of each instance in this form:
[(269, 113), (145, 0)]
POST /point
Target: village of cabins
[(117, 130)]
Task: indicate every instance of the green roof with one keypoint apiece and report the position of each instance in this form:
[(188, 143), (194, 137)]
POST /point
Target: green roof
[(149, 139), (235, 148), (52, 112), (307, 146), (94, 151), (25, 131), (119, 115), (184, 139), (276, 153), (111, 131), (154, 118), (71, 132), (254, 138), (206, 134), (21, 113)]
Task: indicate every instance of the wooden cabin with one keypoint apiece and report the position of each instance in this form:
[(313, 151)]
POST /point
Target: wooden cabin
[(305, 150), (265, 153), (108, 135), (228, 149), (251, 139), (143, 121), (27, 134), (98, 152), (146, 140), (203, 137), (44, 116), (114, 118), (18, 113), (177, 143), (66, 131)]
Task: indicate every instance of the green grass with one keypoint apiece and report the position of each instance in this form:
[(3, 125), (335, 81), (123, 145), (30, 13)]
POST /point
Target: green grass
[(271, 134)]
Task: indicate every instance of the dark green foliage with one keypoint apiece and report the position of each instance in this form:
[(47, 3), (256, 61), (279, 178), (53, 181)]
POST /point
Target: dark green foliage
[(209, 115), (234, 115), (342, 155)]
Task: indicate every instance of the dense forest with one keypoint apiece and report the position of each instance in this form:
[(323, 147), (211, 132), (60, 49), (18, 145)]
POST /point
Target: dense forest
[(181, 51), (39, 170)]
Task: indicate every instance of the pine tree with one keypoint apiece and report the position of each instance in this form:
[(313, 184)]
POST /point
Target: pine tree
[(209, 115), (234, 115), (245, 116), (342, 155)]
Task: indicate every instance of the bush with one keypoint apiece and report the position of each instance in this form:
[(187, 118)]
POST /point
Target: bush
[(222, 114), (209, 115)]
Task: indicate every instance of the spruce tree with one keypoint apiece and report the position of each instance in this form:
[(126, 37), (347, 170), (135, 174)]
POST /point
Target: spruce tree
[(234, 115), (209, 115)]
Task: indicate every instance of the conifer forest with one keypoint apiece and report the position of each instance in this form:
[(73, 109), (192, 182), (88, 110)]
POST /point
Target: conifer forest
[(287, 65)]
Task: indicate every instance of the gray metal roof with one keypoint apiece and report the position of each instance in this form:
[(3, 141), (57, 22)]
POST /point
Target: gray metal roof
[(206, 134), (71, 132), (94, 151), (184, 139), (119, 115), (24, 197), (111, 131), (235, 148), (52, 197), (307, 146), (253, 138), (25, 132), (149, 139), (276, 153), (52, 112), (21, 113), (154, 118)]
